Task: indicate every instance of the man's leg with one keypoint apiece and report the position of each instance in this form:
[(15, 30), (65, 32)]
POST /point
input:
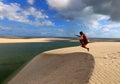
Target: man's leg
[(84, 46), (81, 41)]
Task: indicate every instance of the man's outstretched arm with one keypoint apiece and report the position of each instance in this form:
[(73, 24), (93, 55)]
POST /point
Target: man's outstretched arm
[(78, 35)]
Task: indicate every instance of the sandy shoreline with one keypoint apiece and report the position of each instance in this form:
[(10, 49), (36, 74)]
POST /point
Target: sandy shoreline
[(22, 40), (74, 65)]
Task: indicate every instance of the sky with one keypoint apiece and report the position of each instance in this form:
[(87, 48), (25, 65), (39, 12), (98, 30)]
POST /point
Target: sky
[(60, 18)]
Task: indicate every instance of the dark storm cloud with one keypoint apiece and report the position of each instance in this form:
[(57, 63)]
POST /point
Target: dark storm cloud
[(106, 7), (72, 9)]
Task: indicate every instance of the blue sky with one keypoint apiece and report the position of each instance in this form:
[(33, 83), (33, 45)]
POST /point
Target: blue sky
[(59, 18)]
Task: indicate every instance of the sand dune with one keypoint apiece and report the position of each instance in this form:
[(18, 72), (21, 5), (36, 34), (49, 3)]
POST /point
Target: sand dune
[(74, 65)]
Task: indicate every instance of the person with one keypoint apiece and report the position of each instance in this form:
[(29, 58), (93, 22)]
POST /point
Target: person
[(83, 40)]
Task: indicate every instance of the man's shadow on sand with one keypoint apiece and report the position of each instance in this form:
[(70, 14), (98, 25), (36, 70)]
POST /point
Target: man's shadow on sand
[(73, 68)]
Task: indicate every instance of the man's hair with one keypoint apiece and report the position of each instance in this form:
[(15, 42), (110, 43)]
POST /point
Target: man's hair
[(81, 32)]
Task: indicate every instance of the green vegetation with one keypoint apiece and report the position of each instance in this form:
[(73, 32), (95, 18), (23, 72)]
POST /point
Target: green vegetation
[(15, 55)]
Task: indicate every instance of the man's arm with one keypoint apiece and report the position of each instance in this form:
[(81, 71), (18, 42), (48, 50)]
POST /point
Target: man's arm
[(78, 35)]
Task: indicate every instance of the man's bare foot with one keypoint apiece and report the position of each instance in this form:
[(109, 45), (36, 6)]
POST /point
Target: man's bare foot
[(88, 49)]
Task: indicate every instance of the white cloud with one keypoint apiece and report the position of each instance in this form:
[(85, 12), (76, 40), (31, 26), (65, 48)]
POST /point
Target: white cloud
[(35, 13), (41, 23), (4, 27), (106, 29), (66, 4), (51, 32), (68, 9), (10, 12), (14, 12), (58, 4), (31, 2)]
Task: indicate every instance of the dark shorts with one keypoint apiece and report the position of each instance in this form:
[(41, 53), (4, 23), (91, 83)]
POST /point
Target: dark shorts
[(83, 42)]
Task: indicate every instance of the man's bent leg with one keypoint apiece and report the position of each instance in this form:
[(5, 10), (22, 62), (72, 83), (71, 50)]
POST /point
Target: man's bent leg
[(81, 41)]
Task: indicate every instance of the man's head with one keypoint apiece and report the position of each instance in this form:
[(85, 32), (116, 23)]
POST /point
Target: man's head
[(81, 33)]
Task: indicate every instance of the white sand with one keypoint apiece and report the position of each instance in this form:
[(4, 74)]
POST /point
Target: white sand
[(20, 40), (74, 65)]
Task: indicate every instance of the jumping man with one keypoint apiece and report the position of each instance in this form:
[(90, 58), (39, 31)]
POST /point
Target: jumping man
[(83, 40)]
